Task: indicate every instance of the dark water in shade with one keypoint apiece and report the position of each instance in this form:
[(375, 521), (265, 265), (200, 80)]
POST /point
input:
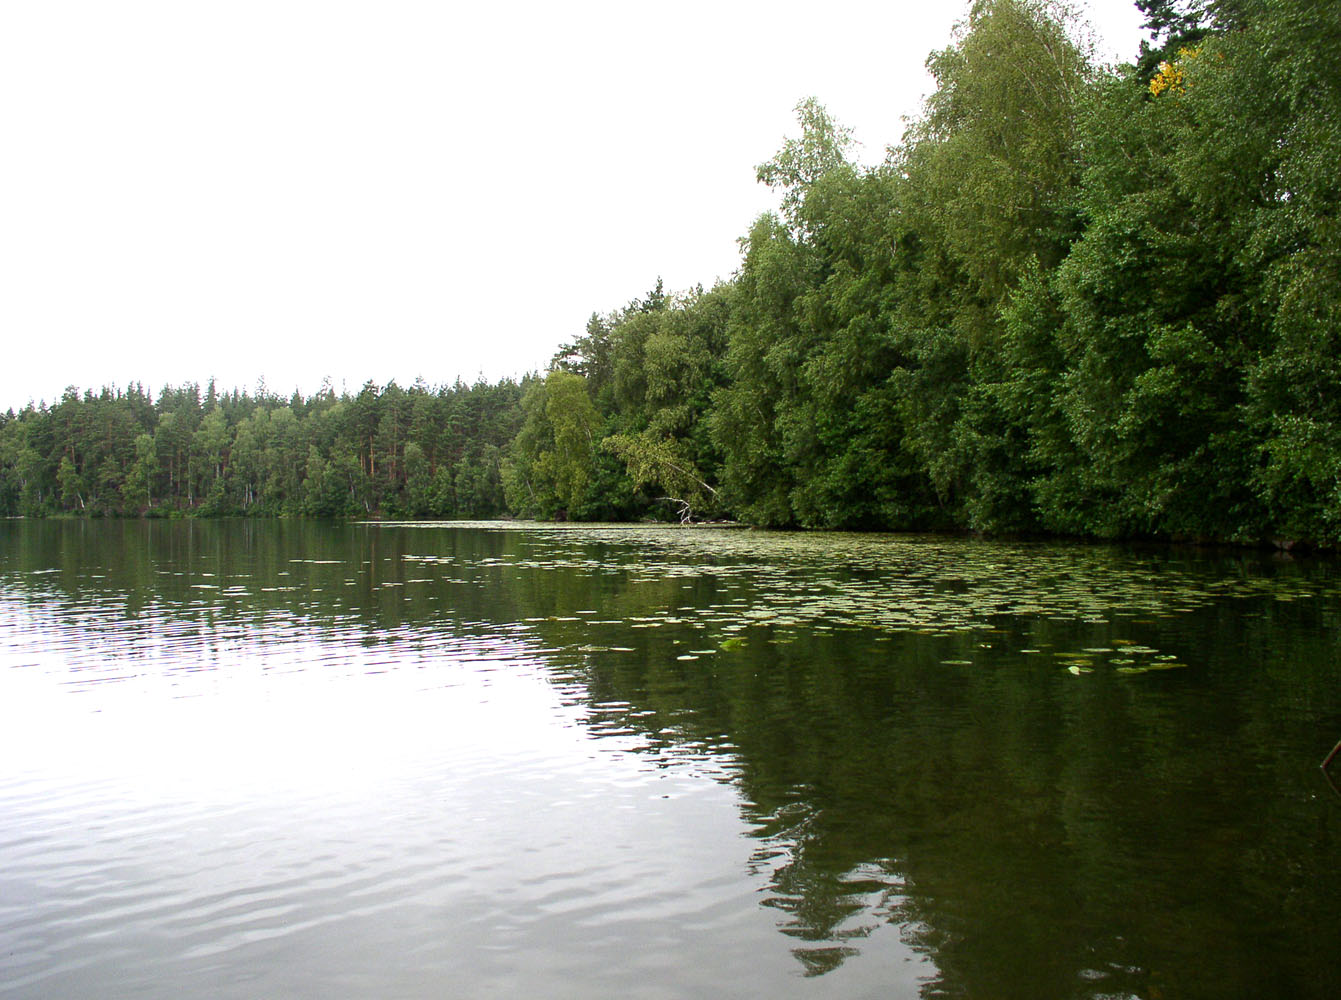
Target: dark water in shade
[(245, 759)]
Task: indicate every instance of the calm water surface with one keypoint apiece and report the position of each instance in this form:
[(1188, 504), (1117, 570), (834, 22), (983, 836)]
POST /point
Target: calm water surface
[(292, 759)]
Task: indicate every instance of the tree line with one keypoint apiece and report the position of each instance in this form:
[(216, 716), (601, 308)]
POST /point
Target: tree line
[(1072, 299), (416, 452)]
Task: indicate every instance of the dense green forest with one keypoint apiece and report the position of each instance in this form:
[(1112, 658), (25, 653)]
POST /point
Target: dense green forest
[(400, 452), (1072, 299)]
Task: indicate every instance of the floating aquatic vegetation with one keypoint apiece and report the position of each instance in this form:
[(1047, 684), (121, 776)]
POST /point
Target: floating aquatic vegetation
[(1150, 667), (812, 583)]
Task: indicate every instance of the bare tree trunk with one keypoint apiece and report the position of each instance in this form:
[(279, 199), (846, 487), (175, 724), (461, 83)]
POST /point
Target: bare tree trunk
[(683, 509)]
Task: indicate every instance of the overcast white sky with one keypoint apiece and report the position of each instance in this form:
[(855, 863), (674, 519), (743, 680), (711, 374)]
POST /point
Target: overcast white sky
[(300, 189)]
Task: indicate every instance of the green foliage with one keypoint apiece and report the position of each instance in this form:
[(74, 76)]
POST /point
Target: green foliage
[(1173, 25), (137, 489), (1178, 376), (820, 150), (553, 458), (1067, 302), (665, 361), (416, 452), (763, 357), (991, 195), (1286, 75), (659, 462)]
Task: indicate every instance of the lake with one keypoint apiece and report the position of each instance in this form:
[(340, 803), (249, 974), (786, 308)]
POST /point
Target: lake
[(268, 758)]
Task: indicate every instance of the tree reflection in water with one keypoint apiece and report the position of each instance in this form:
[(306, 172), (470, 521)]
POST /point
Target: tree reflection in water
[(1050, 770)]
